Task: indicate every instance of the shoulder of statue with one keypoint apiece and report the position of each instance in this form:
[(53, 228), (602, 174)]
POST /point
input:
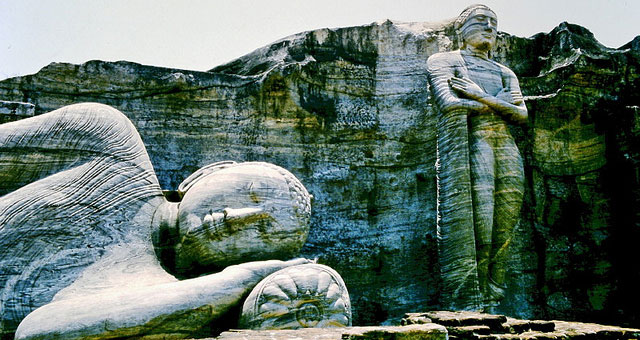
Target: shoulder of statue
[(445, 59), (504, 69)]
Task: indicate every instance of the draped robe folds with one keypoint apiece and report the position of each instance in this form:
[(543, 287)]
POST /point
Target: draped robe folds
[(480, 184), (76, 186)]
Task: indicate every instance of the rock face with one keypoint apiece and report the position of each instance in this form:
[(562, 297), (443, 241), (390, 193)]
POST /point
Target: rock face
[(348, 111)]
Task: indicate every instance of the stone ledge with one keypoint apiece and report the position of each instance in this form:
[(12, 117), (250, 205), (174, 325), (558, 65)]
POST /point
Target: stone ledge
[(411, 332), (17, 108), (444, 325), (579, 330), (453, 319), (480, 326)]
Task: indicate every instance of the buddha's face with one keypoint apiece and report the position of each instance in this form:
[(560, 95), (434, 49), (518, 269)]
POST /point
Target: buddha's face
[(480, 30), (246, 212)]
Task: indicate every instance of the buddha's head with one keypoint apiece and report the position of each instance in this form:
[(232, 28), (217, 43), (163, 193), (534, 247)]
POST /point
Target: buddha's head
[(477, 26), (232, 213)]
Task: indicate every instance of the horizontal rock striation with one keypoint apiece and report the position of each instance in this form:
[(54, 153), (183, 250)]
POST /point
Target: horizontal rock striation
[(348, 112), (11, 111)]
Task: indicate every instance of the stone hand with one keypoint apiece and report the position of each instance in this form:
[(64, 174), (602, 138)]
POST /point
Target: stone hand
[(258, 270), (466, 88), (130, 313)]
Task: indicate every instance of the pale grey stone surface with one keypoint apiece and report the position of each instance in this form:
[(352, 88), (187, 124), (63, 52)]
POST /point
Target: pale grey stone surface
[(177, 309), (78, 192)]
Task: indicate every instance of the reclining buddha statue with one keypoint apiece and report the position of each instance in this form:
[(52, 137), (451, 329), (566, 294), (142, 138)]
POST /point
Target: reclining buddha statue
[(90, 247)]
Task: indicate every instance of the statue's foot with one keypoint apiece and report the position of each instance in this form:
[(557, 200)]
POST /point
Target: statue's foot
[(303, 296)]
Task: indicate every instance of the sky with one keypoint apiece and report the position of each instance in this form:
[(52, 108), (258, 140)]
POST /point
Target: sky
[(199, 35)]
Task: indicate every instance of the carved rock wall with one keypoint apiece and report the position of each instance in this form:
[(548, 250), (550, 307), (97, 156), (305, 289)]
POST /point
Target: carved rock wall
[(348, 112)]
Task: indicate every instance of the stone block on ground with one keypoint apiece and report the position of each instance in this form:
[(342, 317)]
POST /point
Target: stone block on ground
[(579, 330), (469, 331), (465, 325), (455, 319), (415, 319), (525, 336), (516, 326)]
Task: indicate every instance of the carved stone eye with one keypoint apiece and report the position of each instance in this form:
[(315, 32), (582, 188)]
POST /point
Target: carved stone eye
[(304, 296)]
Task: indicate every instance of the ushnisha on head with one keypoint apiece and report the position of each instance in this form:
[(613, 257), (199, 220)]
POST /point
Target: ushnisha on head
[(477, 26), (232, 213)]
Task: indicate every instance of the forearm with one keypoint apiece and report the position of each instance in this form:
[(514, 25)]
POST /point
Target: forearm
[(132, 312), (448, 101), (508, 103), (514, 113), (158, 309)]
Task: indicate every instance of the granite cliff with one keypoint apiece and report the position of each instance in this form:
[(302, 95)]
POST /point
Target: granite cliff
[(348, 111)]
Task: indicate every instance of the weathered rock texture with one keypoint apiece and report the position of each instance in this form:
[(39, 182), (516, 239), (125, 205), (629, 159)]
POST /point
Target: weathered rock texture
[(348, 111), (10, 111), (454, 326)]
